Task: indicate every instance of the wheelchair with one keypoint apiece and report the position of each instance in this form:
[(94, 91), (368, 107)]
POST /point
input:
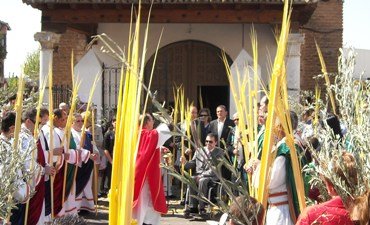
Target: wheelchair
[(215, 193)]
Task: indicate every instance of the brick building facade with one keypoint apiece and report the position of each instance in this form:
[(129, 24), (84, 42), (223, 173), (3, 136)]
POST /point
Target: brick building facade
[(326, 26), (76, 21), (70, 40)]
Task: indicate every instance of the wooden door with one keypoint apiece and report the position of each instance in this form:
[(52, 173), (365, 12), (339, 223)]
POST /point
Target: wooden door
[(190, 63)]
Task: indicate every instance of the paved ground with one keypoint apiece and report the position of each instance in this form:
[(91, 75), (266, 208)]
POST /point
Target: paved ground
[(174, 216)]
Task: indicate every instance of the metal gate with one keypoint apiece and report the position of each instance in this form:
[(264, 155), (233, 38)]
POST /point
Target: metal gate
[(61, 93), (110, 90)]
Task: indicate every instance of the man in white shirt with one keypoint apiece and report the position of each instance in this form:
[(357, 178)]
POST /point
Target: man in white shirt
[(221, 126)]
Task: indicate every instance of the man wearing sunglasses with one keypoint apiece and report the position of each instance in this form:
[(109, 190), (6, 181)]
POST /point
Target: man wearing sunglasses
[(89, 155), (202, 161)]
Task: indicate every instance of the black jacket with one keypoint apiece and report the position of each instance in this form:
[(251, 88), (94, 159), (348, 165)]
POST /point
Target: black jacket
[(225, 131)]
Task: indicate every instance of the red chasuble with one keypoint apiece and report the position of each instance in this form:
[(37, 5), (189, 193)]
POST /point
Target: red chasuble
[(148, 167), (58, 190), (36, 202)]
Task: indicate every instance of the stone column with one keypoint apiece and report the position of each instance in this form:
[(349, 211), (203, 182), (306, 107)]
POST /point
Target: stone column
[(293, 62), (48, 41)]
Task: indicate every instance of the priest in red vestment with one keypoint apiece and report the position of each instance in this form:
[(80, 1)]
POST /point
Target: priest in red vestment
[(149, 200)]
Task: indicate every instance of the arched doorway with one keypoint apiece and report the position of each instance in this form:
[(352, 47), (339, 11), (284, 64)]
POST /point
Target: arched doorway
[(198, 66)]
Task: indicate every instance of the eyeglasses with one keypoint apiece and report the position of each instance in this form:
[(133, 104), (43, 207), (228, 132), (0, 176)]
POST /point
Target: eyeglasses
[(208, 141), (203, 115)]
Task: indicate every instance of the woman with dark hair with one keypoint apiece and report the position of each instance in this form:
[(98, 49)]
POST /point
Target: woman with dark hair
[(205, 118)]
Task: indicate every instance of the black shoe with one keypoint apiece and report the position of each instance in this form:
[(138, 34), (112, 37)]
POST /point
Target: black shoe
[(188, 211), (187, 215), (193, 210), (203, 213), (170, 197), (83, 212), (102, 194)]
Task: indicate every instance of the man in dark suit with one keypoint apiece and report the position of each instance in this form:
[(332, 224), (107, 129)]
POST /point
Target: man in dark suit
[(221, 126), (202, 161)]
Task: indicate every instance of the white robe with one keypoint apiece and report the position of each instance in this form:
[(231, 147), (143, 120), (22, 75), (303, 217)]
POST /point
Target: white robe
[(276, 215), (85, 200), (58, 136), (27, 141)]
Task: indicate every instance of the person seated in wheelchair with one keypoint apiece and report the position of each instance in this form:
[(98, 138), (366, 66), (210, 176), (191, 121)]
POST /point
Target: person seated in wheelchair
[(203, 174)]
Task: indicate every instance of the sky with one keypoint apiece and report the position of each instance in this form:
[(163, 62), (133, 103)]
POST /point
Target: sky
[(25, 21)]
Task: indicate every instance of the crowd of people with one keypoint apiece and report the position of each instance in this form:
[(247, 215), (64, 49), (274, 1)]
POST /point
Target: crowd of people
[(69, 175), (220, 140), (62, 170)]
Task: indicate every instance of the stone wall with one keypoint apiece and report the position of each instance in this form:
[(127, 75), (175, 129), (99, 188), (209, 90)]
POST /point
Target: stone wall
[(326, 26)]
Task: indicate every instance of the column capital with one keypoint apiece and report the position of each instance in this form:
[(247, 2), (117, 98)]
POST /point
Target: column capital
[(293, 61), (295, 40), (48, 40)]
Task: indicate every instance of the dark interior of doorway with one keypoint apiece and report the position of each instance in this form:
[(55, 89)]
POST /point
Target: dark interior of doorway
[(213, 96)]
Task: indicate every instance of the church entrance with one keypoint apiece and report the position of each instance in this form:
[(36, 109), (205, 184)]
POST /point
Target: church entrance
[(214, 96), (196, 65)]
